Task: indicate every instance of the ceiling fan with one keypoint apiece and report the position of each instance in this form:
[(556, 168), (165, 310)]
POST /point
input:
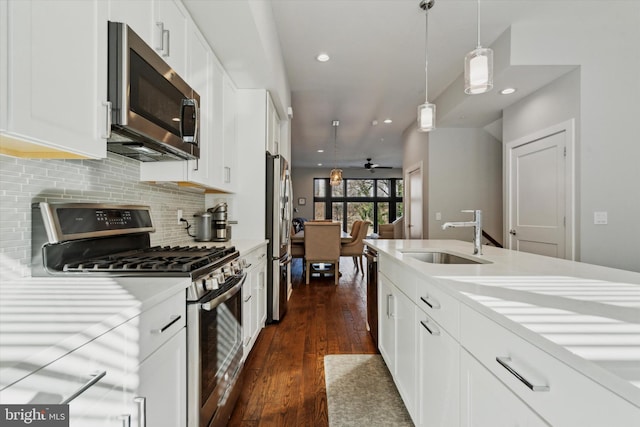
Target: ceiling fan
[(373, 166)]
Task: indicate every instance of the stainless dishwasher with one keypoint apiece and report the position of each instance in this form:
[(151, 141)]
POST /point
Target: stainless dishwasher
[(372, 292)]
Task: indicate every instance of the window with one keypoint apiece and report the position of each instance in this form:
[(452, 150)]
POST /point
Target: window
[(378, 201)]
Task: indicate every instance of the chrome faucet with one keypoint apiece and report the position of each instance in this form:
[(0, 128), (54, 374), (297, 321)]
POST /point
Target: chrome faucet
[(477, 229)]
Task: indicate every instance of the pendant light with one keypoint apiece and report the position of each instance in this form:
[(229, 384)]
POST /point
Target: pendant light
[(478, 67), (426, 111), (335, 177)]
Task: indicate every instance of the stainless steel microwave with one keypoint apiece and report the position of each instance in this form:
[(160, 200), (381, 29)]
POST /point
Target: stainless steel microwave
[(154, 113)]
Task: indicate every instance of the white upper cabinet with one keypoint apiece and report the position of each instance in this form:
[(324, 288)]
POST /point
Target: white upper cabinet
[(53, 78), (216, 168), (273, 128), (137, 14), (170, 33)]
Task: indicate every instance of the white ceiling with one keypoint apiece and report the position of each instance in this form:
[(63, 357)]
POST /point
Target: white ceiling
[(376, 70)]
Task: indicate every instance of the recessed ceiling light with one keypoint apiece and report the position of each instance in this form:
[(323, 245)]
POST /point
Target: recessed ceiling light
[(374, 123), (388, 121), (320, 151), (322, 57), (319, 164), (507, 91)]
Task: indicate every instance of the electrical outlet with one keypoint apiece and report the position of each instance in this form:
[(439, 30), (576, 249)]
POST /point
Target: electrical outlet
[(179, 216)]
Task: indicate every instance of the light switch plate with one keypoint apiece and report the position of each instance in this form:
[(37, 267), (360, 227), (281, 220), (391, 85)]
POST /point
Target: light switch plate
[(600, 218), (438, 216)]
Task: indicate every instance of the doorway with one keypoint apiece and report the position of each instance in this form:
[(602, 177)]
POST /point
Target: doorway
[(540, 195), (413, 202)]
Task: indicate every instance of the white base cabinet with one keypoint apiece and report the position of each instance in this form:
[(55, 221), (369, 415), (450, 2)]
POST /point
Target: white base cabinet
[(485, 401), (397, 339), (137, 368), (439, 375), (461, 382), (254, 297)]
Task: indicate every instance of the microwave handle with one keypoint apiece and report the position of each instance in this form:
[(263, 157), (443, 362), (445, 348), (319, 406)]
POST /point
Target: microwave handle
[(191, 102)]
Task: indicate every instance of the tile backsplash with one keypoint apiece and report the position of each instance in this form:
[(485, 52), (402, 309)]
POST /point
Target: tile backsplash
[(111, 180)]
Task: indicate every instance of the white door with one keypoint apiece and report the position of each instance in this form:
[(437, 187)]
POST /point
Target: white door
[(413, 204), (538, 193)]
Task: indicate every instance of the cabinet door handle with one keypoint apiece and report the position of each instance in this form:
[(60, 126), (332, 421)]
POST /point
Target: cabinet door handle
[(173, 319), (165, 43), (248, 298), (430, 302), (142, 410), (389, 303), (430, 327), (227, 174), (94, 379), (505, 363), (107, 131)]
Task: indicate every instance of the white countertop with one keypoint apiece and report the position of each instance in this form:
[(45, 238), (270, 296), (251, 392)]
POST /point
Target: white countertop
[(44, 318), (242, 245), (588, 316)]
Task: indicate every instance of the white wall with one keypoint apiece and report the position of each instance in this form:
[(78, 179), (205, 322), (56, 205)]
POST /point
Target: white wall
[(302, 180), (416, 150), (605, 47), (465, 172)]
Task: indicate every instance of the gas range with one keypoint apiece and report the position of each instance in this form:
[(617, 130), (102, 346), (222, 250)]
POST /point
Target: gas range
[(113, 240)]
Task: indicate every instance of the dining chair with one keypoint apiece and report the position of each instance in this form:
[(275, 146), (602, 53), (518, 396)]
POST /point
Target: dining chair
[(322, 245), (355, 227), (355, 248)]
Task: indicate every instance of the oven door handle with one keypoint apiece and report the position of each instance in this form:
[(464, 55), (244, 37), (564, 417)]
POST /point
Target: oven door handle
[(212, 304)]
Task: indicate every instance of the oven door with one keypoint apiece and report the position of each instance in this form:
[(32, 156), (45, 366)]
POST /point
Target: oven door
[(214, 343)]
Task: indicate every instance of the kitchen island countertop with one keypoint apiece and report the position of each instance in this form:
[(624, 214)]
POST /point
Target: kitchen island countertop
[(585, 315)]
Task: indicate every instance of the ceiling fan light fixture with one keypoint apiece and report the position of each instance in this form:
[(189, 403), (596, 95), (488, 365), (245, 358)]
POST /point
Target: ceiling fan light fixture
[(478, 67)]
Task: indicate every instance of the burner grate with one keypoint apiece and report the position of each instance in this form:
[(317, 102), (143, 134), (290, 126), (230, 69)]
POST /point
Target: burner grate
[(163, 259)]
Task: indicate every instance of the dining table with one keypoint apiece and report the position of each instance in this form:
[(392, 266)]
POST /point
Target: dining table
[(299, 237)]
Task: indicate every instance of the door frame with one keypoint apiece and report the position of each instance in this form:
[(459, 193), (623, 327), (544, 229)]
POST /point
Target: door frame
[(418, 167), (570, 192)]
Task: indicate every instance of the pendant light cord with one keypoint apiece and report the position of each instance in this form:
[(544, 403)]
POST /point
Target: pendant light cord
[(426, 54), (478, 15)]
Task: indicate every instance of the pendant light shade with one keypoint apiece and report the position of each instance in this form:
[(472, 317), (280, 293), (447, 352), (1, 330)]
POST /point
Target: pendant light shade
[(426, 111), (426, 117), (478, 67), (335, 177)]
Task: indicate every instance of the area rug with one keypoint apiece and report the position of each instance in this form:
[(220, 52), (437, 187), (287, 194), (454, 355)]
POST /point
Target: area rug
[(361, 392)]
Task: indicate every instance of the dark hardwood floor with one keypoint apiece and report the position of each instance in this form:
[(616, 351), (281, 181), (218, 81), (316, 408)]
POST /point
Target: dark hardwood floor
[(284, 374)]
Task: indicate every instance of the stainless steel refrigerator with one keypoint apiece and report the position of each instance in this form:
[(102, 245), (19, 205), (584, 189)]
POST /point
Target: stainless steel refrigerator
[(278, 226)]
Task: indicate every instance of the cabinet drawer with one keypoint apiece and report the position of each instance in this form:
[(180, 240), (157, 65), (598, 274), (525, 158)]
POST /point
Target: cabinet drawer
[(160, 323), (557, 392), (93, 369), (254, 257), (439, 305), (399, 275)]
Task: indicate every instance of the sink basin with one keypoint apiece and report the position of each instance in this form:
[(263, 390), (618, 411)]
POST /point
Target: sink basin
[(442, 258)]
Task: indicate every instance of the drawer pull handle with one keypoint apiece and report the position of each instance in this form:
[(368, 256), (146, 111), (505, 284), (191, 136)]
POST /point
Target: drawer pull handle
[(126, 420), (431, 303), (433, 330), (504, 362), (94, 379), (173, 320)]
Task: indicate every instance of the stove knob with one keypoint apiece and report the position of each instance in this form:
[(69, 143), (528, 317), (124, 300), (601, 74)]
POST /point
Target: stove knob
[(210, 283), (218, 278), (243, 263)]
